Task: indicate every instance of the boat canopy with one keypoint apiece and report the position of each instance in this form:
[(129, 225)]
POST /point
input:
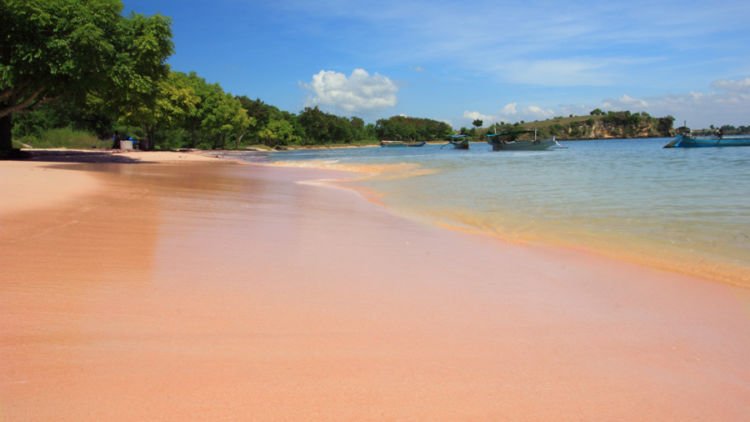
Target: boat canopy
[(511, 133)]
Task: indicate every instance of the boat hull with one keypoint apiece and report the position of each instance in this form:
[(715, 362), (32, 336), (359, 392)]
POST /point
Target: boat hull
[(460, 145), (392, 144), (684, 141), (400, 144), (523, 145)]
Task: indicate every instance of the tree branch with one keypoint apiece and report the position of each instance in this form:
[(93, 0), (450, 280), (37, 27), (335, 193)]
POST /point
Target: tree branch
[(5, 95), (10, 92), (28, 102)]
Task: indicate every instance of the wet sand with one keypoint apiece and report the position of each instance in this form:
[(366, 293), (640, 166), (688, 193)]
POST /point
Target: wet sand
[(226, 291)]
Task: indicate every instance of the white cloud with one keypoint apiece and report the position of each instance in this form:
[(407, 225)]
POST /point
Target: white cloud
[(538, 112), (626, 102), (627, 99), (740, 85), (475, 115), (358, 92), (509, 109), (728, 103)]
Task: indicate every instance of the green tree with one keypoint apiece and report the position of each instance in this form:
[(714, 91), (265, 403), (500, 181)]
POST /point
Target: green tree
[(402, 127), (261, 113), (218, 120), (278, 132), (321, 127), (223, 118), (70, 48), (172, 101)]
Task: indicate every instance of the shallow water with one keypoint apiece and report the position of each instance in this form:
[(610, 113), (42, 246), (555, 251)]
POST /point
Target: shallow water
[(681, 209)]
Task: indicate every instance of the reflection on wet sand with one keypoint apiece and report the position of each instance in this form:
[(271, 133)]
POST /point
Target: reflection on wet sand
[(222, 291)]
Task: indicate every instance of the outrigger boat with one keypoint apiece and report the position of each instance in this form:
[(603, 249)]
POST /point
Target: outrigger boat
[(389, 144), (689, 141), (508, 141), (459, 141)]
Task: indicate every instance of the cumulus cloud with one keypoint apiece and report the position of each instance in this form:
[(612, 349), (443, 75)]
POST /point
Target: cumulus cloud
[(358, 92), (538, 112), (728, 103), (626, 102), (509, 109), (627, 99), (509, 112), (475, 115)]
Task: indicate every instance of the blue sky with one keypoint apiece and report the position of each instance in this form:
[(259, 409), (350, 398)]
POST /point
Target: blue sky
[(456, 61)]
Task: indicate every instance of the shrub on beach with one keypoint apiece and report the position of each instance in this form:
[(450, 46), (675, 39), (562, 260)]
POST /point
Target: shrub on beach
[(65, 138)]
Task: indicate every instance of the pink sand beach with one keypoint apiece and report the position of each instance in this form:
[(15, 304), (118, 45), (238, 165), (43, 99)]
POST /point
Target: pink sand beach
[(187, 290)]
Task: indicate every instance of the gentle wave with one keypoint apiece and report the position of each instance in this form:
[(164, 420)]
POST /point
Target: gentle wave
[(680, 210)]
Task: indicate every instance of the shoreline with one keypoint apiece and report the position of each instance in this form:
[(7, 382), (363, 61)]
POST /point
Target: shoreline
[(215, 290), (718, 272), (651, 255)]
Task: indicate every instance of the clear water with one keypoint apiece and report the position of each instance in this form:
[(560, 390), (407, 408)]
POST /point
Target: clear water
[(681, 209)]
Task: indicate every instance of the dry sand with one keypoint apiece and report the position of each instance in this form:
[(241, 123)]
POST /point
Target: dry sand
[(25, 186), (221, 291)]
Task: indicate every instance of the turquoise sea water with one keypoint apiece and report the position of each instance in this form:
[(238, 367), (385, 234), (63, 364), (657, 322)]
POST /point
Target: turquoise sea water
[(682, 209)]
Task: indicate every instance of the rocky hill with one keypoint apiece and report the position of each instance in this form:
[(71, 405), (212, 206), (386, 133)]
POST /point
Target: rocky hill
[(598, 125)]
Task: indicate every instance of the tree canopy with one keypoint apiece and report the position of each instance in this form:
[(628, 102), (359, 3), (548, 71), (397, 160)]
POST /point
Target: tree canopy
[(411, 128), (53, 49)]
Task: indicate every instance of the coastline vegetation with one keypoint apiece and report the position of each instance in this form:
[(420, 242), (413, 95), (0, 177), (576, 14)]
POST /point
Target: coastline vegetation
[(64, 137), (597, 125)]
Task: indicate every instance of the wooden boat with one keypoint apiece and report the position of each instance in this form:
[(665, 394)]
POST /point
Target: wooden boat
[(535, 145), (390, 144), (459, 141), (509, 141), (689, 141)]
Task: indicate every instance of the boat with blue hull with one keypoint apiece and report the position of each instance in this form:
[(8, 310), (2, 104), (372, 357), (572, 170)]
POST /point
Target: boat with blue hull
[(688, 141), (399, 144)]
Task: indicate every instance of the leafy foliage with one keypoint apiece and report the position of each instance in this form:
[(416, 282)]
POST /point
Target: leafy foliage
[(65, 138), (411, 128), (79, 51), (54, 47), (599, 124)]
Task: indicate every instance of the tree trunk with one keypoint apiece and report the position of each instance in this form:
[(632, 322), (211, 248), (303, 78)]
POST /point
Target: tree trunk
[(147, 143), (6, 141)]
